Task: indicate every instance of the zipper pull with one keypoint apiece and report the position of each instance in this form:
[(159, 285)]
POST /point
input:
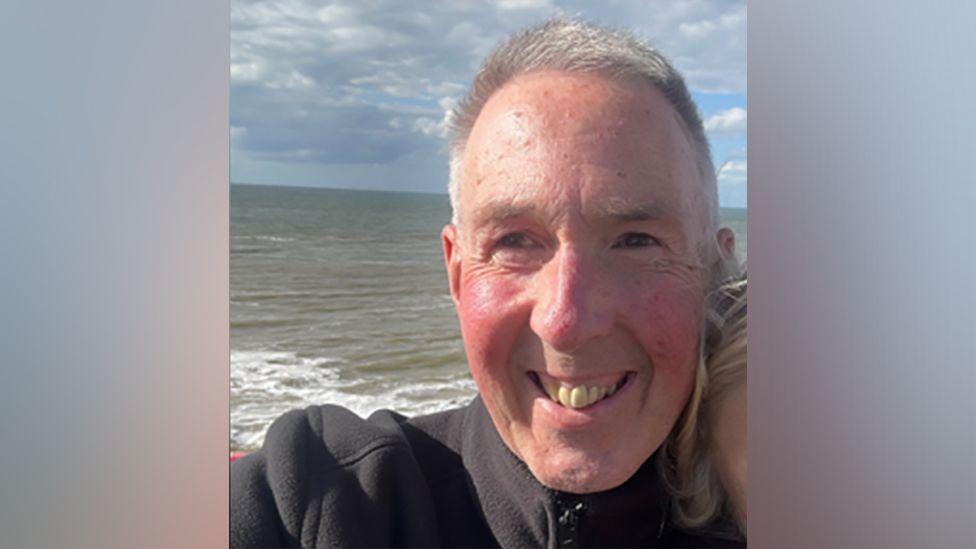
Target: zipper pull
[(567, 532)]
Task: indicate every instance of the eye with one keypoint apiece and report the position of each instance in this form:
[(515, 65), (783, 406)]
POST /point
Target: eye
[(518, 250), (636, 240), (517, 241)]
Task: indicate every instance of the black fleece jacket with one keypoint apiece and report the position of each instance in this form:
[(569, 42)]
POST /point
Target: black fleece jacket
[(327, 478)]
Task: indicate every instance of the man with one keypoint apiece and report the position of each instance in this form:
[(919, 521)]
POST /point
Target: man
[(583, 243)]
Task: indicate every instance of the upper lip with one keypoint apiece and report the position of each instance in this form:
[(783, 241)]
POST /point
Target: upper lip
[(598, 379)]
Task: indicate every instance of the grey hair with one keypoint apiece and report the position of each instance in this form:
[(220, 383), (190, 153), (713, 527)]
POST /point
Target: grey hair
[(562, 44)]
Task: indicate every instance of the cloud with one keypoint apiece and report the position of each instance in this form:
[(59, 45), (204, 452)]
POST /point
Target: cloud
[(706, 40), (342, 84), (355, 82), (523, 4), (732, 172), (727, 122), (705, 28)]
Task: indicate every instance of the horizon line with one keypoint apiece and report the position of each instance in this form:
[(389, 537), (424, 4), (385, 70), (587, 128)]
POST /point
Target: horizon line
[(445, 193)]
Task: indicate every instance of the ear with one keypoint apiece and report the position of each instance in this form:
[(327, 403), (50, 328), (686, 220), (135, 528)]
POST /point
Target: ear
[(726, 241), (452, 260)]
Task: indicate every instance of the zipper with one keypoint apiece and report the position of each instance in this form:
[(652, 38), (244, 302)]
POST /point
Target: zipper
[(567, 524)]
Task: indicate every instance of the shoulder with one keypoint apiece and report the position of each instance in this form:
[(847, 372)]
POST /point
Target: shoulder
[(326, 476), (330, 432)]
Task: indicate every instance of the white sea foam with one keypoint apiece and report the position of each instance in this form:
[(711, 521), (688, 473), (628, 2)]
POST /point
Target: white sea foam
[(264, 237), (266, 384), (270, 238)]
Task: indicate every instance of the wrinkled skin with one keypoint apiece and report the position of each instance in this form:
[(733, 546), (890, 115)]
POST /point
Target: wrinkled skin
[(579, 257)]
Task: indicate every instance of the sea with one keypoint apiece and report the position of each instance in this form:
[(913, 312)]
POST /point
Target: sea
[(340, 296)]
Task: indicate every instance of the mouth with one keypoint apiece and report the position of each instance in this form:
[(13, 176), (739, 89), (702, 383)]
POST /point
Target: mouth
[(579, 395)]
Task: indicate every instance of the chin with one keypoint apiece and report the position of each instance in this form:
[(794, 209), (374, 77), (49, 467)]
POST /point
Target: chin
[(580, 474)]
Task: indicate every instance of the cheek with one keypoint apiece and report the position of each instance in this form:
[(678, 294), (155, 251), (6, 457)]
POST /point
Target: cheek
[(488, 313), (669, 324)]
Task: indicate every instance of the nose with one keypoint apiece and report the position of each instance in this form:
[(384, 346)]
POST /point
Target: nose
[(572, 306)]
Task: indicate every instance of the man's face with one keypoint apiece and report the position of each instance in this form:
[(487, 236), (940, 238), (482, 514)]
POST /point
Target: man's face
[(576, 269)]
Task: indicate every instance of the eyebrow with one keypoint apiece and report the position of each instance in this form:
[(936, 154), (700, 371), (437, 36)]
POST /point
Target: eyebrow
[(616, 209), (625, 210), (500, 210)]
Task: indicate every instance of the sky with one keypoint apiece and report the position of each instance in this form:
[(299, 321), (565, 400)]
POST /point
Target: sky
[(354, 94)]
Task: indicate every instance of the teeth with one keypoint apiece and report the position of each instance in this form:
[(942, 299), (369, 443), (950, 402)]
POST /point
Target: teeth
[(580, 396), (563, 396)]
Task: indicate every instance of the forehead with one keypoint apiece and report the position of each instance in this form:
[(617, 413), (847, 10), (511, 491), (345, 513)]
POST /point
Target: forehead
[(561, 140)]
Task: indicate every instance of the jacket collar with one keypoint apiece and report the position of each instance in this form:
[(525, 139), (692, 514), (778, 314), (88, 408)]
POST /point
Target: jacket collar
[(521, 512)]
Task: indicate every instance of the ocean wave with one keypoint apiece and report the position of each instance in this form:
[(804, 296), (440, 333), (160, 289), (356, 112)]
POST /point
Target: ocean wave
[(266, 384), (263, 322), (270, 238)]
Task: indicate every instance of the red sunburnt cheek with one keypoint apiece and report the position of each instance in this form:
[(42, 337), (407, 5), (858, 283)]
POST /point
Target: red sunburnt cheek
[(672, 325), (488, 317)]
